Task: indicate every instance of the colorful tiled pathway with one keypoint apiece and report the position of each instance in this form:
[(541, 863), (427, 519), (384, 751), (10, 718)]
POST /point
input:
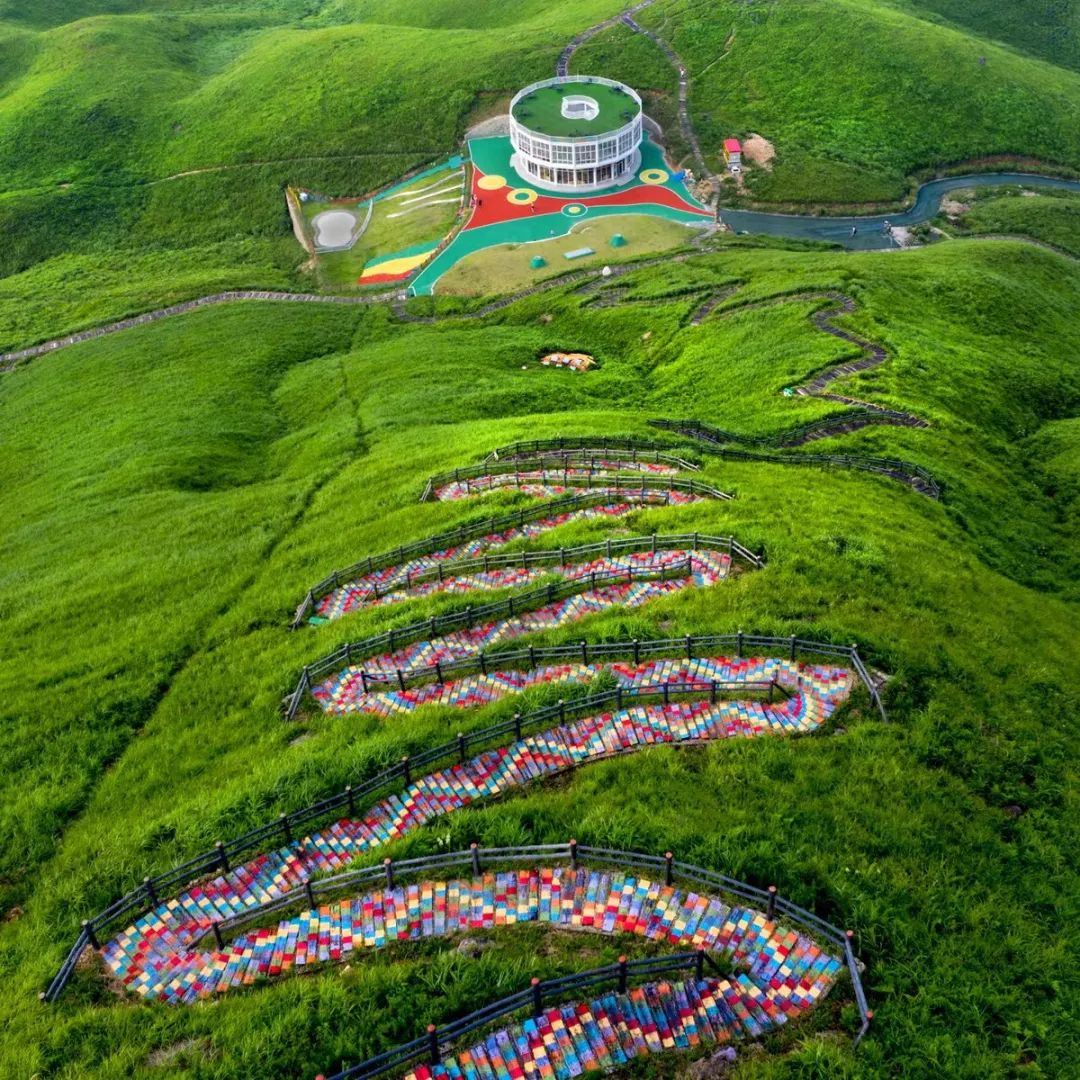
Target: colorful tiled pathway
[(785, 972), (354, 594), (704, 568), (548, 481), (615, 1029), (514, 576), (345, 692), (159, 956)]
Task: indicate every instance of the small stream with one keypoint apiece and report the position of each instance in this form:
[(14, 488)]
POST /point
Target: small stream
[(870, 232)]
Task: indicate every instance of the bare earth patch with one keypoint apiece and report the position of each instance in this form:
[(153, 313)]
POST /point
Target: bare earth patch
[(492, 126), (953, 208), (185, 1049), (758, 151)]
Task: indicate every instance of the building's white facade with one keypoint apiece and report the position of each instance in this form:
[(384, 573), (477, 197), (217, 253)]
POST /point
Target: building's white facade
[(582, 164)]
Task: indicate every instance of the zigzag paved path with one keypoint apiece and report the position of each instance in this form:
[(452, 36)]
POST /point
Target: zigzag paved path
[(615, 1029), (158, 956)]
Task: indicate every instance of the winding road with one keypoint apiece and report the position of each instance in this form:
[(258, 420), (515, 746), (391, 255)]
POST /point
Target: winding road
[(870, 232)]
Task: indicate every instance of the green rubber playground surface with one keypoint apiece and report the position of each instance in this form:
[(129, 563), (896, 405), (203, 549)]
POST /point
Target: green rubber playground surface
[(541, 111), (508, 267), (492, 158)]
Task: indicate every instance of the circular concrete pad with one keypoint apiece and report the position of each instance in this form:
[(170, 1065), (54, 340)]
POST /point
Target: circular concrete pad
[(491, 182), (523, 196), (575, 210), (652, 176), (333, 228)]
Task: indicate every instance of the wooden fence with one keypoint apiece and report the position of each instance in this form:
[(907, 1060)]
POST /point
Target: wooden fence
[(224, 854)]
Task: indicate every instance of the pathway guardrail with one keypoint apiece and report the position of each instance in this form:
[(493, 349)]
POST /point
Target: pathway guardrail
[(628, 482), (921, 478), (427, 1048), (653, 491), (224, 853)]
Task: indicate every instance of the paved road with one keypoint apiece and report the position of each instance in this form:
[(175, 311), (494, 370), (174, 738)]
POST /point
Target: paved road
[(871, 233)]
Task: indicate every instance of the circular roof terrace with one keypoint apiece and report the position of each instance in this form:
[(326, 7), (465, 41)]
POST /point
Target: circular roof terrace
[(575, 106)]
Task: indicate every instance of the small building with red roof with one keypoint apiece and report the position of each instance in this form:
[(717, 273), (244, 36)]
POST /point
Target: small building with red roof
[(732, 152)]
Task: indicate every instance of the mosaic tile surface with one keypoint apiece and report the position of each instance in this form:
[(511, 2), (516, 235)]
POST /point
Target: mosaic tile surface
[(614, 1029), (158, 956), (163, 957), (705, 568), (345, 692), (545, 482), (360, 591)]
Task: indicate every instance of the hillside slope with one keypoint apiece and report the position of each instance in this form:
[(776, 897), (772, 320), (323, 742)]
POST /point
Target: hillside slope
[(256, 447), (100, 102)]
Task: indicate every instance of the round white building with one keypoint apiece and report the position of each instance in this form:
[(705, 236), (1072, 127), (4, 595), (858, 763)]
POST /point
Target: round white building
[(576, 134)]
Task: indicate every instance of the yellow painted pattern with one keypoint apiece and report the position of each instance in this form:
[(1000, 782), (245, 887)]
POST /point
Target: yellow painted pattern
[(396, 266)]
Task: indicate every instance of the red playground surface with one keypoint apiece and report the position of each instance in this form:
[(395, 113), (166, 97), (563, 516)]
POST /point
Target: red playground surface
[(493, 207), (506, 209)]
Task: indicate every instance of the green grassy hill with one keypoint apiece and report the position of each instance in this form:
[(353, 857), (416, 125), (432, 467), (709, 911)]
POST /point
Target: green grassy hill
[(170, 492), (173, 490), (856, 95), (100, 103), (1053, 218), (1046, 28)]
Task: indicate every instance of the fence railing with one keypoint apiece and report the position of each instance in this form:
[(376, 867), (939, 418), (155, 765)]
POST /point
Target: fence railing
[(719, 439), (653, 491), (225, 853), (524, 560), (516, 604), (628, 449), (430, 1047), (514, 468)]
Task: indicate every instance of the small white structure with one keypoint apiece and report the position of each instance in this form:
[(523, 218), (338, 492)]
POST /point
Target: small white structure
[(334, 230)]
